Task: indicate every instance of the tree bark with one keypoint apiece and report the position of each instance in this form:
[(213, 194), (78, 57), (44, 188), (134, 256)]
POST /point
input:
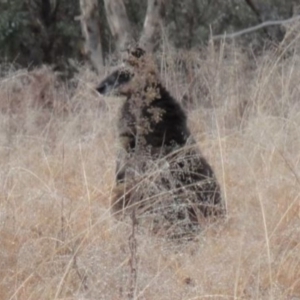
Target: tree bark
[(119, 23), (152, 25), (91, 30)]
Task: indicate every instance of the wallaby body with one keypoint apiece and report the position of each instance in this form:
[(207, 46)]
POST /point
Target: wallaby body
[(159, 168)]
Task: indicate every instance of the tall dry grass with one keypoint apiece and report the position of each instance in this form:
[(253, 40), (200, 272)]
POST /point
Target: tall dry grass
[(57, 156)]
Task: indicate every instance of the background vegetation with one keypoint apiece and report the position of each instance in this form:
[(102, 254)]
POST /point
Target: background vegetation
[(33, 32)]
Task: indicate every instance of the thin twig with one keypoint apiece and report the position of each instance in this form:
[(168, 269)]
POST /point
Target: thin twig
[(82, 277), (254, 28), (133, 258)]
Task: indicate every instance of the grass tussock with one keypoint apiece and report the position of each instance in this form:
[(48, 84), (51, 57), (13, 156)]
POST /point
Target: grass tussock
[(57, 157)]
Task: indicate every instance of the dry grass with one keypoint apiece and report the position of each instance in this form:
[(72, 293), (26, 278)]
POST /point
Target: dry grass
[(57, 156)]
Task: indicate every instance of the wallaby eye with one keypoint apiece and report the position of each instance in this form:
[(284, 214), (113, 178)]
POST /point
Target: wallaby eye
[(101, 89), (124, 77)]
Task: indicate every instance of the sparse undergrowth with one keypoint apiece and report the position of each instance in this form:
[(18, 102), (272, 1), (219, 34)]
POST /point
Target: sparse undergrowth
[(57, 156)]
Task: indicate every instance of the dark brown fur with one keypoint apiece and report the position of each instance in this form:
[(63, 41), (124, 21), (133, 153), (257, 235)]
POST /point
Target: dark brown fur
[(160, 169)]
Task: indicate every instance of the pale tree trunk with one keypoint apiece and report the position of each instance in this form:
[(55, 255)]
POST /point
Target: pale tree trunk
[(152, 24), (119, 23), (91, 30)]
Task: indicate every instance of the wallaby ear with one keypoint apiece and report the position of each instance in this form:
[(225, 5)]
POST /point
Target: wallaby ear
[(135, 51), (138, 52), (134, 56)]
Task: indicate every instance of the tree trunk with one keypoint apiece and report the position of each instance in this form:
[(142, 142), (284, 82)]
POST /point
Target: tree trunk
[(44, 16), (152, 24), (119, 23), (91, 31)]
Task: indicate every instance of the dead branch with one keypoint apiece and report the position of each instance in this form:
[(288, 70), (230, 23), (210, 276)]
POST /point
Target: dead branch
[(264, 12), (254, 28)]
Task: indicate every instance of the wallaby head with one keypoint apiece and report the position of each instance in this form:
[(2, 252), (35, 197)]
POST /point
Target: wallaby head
[(115, 81), (136, 65)]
